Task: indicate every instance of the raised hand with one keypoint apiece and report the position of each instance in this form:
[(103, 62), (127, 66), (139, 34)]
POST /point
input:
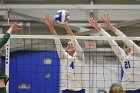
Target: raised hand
[(106, 19), (15, 26), (47, 20), (107, 23), (93, 22)]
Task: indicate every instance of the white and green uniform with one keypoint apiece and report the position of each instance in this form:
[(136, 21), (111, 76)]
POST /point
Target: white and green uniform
[(2, 74), (130, 63), (2, 42), (71, 67)]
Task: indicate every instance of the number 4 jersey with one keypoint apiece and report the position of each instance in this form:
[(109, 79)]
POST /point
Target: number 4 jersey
[(71, 71), (72, 67)]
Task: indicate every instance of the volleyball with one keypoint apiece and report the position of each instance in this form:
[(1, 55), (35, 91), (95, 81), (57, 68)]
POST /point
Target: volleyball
[(62, 16)]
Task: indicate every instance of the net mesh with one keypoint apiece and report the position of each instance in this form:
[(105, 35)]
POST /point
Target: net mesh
[(35, 65)]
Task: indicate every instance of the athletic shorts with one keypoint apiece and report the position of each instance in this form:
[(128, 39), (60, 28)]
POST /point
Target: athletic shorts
[(133, 91), (70, 91), (3, 90)]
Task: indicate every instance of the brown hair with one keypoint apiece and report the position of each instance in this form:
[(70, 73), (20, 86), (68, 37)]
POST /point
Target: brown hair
[(116, 88)]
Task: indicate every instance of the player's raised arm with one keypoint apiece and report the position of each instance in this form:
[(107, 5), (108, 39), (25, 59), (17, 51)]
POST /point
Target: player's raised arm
[(48, 21), (93, 23), (15, 26), (74, 41), (135, 48), (117, 50)]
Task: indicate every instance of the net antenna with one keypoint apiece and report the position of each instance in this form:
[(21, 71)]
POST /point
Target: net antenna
[(7, 58)]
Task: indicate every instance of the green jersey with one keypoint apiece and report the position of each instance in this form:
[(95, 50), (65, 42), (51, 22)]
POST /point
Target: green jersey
[(3, 90), (3, 41)]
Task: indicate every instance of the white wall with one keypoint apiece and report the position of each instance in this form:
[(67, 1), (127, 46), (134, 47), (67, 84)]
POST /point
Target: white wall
[(80, 14)]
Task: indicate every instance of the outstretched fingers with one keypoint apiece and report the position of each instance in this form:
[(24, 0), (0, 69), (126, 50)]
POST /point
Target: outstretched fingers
[(92, 20), (16, 26)]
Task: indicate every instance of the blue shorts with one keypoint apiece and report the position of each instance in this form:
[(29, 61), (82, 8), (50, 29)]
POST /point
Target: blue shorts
[(133, 91), (69, 91)]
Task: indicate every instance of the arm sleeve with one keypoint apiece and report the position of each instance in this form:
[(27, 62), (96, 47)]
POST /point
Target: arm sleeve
[(4, 39), (60, 49), (117, 50), (80, 52), (134, 47)]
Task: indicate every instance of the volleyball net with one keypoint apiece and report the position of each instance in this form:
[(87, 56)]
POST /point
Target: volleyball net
[(35, 65)]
